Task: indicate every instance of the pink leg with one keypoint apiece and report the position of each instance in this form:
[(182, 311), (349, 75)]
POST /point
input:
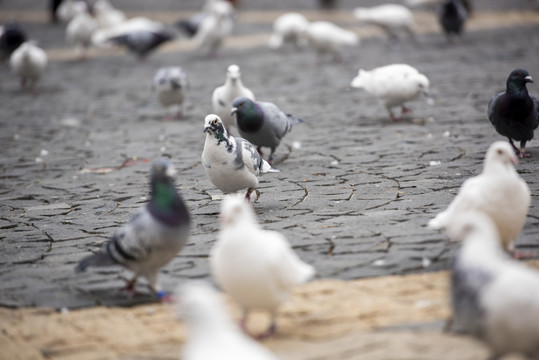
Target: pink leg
[(406, 110)]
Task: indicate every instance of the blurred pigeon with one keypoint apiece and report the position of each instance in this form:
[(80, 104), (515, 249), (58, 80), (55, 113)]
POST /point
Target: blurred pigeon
[(256, 267), (232, 164), (107, 15), (513, 112), (498, 191), (328, 4), (494, 298), (452, 15), (215, 27), (262, 123), (69, 9), (11, 37), (28, 62), (152, 237), (190, 26), (171, 83), (79, 32), (142, 42), (223, 96), (211, 332), (100, 38), (326, 37), (289, 28), (394, 19), (393, 85)]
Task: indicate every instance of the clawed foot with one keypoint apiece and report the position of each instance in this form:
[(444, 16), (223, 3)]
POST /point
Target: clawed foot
[(523, 254)]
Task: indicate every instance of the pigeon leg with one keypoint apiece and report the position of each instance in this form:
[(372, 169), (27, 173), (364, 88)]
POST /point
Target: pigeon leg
[(392, 116), (179, 114), (129, 288), (23, 83), (522, 153), (406, 110), (270, 331), (248, 195), (517, 150), (523, 255), (259, 149)]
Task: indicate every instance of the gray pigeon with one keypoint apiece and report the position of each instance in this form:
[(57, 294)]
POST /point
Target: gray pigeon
[(232, 164), (513, 112), (152, 237), (262, 123), (494, 298), (141, 42)]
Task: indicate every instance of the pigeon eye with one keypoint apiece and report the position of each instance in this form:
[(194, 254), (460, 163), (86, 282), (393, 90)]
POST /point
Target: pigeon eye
[(500, 152)]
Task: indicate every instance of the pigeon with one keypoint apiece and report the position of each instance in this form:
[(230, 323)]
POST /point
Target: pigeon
[(513, 112), (11, 37), (214, 28), (211, 332), (326, 37), (394, 19), (232, 164), (289, 28), (452, 15), (494, 298), (223, 96), (258, 268), (262, 123), (170, 83), (69, 9), (142, 42), (498, 191), (107, 15), (101, 37), (152, 237), (393, 85), (28, 62), (79, 32), (191, 25)]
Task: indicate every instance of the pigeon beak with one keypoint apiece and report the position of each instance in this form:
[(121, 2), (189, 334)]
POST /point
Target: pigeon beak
[(529, 79), (234, 110), (171, 171)]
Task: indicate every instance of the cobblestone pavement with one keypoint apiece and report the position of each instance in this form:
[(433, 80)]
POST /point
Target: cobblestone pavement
[(353, 198)]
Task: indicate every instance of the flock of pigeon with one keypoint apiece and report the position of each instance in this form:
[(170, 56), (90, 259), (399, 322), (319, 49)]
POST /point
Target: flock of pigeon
[(494, 297)]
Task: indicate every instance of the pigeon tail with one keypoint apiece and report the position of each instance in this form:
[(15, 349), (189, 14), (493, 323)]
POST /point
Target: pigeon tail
[(438, 222), (265, 167), (97, 259), (294, 120)]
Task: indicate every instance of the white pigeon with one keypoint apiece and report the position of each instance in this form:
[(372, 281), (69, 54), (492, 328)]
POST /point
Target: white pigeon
[(28, 62), (68, 9), (393, 85), (170, 84), (107, 15), (211, 333), (326, 37), (258, 268), (498, 192), (232, 164), (395, 19), (289, 28), (79, 32), (214, 28), (494, 298), (223, 96)]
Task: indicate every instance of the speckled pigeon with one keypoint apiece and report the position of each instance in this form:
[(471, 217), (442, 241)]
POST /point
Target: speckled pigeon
[(494, 298), (513, 112), (152, 237)]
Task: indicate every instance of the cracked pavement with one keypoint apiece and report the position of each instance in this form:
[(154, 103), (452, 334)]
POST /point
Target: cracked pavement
[(354, 192)]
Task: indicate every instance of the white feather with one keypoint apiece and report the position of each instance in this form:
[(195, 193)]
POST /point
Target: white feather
[(289, 28), (69, 9), (393, 18), (79, 32), (211, 332), (498, 191), (326, 37), (28, 62), (108, 16), (256, 267), (223, 96)]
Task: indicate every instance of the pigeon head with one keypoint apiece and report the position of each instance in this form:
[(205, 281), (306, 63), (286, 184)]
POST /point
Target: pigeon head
[(233, 72), (473, 224), (423, 84), (249, 118), (235, 209), (357, 82), (163, 171), (517, 80), (214, 126), (500, 152)]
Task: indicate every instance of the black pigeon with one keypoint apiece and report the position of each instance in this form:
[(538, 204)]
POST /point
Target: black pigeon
[(142, 42), (191, 25), (11, 37), (452, 15), (513, 112), (152, 237)]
